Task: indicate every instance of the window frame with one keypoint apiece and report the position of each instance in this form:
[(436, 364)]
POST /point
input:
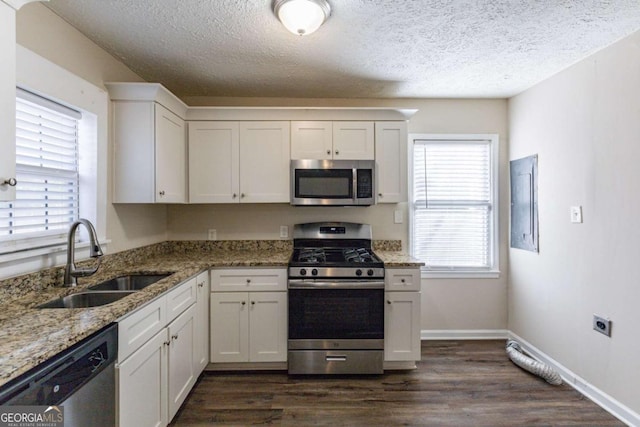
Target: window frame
[(494, 270)]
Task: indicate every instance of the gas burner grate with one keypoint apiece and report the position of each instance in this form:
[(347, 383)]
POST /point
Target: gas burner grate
[(357, 255), (312, 255)]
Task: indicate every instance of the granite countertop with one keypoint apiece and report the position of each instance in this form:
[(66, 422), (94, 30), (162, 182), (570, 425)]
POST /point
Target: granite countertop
[(29, 336)]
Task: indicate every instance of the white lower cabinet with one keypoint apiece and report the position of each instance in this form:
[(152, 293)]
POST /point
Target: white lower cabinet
[(248, 315), (201, 350), (155, 378), (402, 316)]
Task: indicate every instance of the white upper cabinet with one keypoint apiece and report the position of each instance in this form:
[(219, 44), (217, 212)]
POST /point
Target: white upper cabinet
[(214, 162), (325, 140), (264, 162), (7, 101), (239, 162), (149, 154), (391, 159), (312, 140)]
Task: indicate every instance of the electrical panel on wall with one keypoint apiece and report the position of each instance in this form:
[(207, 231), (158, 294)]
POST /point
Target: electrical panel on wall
[(524, 203)]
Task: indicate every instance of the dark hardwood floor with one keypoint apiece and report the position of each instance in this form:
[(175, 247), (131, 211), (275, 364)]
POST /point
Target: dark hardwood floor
[(457, 383)]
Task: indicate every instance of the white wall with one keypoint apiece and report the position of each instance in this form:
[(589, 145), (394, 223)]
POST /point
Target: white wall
[(453, 304), (584, 124), (44, 33)]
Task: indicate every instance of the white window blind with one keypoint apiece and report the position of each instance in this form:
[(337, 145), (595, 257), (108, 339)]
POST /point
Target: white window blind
[(453, 220), (46, 170)]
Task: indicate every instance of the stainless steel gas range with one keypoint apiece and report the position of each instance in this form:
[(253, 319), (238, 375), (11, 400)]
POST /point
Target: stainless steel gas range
[(336, 301)]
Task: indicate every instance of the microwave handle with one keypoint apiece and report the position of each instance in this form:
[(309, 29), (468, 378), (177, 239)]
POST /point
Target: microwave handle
[(354, 175)]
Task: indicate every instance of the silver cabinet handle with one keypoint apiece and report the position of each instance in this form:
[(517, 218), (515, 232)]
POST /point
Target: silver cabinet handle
[(11, 182), (167, 343), (200, 285), (174, 337)]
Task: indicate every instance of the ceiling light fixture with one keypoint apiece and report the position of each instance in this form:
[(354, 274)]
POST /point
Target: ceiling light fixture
[(302, 17)]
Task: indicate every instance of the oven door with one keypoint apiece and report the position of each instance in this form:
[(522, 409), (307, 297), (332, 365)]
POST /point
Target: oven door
[(334, 315)]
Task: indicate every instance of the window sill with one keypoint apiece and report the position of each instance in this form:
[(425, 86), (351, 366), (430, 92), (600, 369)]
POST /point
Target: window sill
[(492, 274)]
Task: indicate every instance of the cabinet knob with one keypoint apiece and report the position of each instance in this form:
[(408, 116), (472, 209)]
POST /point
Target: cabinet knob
[(402, 280), (174, 337), (329, 152), (337, 153), (162, 192), (242, 195), (11, 182), (248, 281), (379, 194), (234, 195), (167, 343), (244, 303), (253, 303), (200, 285), (389, 301)]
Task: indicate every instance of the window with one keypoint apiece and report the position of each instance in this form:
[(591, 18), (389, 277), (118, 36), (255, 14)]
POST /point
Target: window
[(47, 172), (454, 193)]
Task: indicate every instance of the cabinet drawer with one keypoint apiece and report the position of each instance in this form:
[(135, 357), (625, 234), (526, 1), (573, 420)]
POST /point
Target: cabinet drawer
[(137, 328), (249, 279), (180, 298), (402, 279)]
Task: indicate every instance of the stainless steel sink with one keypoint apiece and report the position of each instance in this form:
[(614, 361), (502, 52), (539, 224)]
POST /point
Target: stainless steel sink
[(133, 282), (86, 299)]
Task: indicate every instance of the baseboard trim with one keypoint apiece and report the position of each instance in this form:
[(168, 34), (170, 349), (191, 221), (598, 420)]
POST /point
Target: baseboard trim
[(608, 403), (464, 334)]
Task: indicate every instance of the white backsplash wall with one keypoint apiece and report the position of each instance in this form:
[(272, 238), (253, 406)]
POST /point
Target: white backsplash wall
[(263, 221)]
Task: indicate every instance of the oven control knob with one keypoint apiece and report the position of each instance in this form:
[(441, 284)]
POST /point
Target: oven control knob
[(303, 271), (358, 272), (314, 272), (369, 272)]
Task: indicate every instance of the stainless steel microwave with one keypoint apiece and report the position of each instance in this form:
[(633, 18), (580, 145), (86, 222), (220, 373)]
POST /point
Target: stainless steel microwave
[(333, 182)]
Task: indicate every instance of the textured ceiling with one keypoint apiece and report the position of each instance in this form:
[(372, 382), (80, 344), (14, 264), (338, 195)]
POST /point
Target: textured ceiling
[(367, 48)]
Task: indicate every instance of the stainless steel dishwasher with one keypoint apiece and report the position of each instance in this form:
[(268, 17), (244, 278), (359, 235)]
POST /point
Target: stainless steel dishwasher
[(80, 379)]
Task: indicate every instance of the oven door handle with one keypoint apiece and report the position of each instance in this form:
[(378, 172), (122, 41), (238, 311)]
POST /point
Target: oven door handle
[(359, 284)]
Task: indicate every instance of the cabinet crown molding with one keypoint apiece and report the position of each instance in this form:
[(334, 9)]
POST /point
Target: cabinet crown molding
[(158, 93), (17, 4)]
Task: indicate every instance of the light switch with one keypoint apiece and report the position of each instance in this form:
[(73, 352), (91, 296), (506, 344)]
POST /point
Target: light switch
[(284, 231), (397, 217), (576, 214)]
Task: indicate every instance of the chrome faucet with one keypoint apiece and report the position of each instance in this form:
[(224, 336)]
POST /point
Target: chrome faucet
[(71, 273)]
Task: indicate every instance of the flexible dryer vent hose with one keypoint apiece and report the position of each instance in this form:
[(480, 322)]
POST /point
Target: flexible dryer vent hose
[(546, 372)]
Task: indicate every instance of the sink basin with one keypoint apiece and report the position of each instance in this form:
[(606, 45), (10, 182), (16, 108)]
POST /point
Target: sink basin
[(133, 282), (86, 299)]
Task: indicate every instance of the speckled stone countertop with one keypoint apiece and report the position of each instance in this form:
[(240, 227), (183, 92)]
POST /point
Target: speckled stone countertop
[(29, 336)]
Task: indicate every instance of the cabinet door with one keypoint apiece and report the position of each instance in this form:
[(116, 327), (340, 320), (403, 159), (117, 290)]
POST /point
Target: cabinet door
[(353, 141), (142, 385), (214, 162), (268, 327), (170, 165), (7, 100), (402, 326), (264, 162), (391, 159), (311, 140), (201, 346), (229, 327), (182, 374)]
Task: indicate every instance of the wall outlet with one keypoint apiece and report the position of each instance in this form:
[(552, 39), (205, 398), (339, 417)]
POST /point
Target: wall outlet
[(213, 234), (397, 217), (602, 325), (576, 214), (284, 231)]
